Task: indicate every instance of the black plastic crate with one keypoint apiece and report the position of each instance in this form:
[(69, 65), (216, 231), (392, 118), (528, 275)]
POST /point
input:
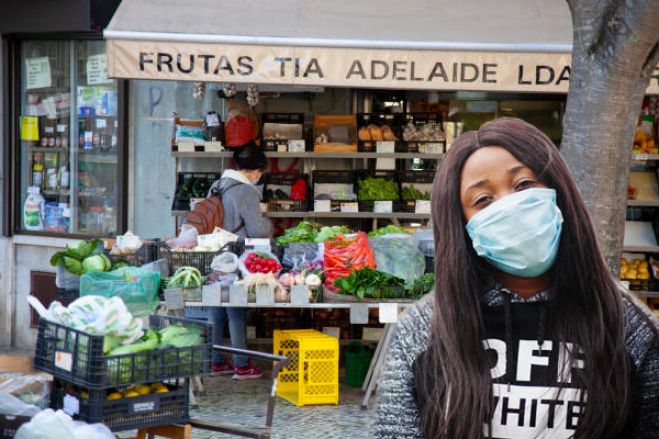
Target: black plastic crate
[(177, 259), (128, 413), (343, 177), (10, 424), (77, 357), (192, 185), (392, 120), (421, 146), (369, 205), (334, 176), (148, 252), (283, 118), (282, 204)]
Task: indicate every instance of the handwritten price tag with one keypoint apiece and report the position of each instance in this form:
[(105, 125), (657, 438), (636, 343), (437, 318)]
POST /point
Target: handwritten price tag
[(349, 207), (322, 206), (422, 206), (383, 207)]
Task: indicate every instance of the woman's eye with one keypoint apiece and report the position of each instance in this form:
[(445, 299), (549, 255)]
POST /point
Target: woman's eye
[(480, 201), (524, 184)]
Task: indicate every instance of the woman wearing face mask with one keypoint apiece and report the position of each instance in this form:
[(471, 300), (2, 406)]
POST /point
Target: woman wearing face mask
[(528, 334), (243, 217)]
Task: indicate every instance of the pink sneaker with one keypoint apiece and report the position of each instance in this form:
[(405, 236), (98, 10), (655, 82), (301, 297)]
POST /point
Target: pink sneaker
[(223, 368), (250, 372)]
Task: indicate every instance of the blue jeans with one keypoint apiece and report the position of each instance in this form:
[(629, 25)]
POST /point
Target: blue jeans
[(217, 315)]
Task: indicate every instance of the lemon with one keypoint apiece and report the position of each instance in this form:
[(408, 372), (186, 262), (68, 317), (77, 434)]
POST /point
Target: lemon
[(114, 396), (143, 389), (162, 390), (157, 386), (84, 395), (131, 394)]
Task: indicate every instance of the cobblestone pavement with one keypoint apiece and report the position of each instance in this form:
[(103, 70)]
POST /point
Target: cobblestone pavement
[(245, 403)]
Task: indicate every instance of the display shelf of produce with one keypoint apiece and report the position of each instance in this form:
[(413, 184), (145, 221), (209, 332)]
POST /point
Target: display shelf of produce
[(650, 294), (332, 305), (641, 249), (642, 203), (645, 157), (347, 215), (316, 155)]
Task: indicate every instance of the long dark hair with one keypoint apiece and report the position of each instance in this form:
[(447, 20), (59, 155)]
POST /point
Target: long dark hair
[(454, 378)]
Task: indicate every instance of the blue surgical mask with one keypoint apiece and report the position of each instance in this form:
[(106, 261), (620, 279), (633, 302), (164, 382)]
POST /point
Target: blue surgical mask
[(520, 233)]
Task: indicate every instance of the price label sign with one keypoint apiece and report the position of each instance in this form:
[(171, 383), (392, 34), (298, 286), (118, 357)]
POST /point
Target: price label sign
[(383, 207), (257, 242), (332, 331), (64, 360), (358, 314), (213, 146), (296, 146), (422, 206), (282, 147), (101, 123), (642, 157), (434, 148), (385, 146), (185, 147), (322, 206), (388, 312), (349, 207), (174, 299), (211, 295), (70, 405)]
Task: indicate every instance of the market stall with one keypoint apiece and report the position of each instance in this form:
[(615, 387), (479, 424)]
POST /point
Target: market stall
[(354, 109)]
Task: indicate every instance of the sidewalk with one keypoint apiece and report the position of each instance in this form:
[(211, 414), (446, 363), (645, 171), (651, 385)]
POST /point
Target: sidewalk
[(227, 400)]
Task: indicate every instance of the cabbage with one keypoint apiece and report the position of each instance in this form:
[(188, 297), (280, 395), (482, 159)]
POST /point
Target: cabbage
[(72, 265), (180, 336), (147, 343), (94, 263)]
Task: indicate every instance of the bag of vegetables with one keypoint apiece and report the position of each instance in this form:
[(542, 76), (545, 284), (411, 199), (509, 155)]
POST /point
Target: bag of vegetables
[(137, 287), (397, 254), (344, 254)]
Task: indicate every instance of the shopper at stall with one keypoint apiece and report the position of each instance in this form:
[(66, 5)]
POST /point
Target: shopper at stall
[(242, 216), (528, 334)]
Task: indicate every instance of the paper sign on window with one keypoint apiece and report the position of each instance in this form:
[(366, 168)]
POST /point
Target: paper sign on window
[(37, 73), (29, 128), (97, 69)]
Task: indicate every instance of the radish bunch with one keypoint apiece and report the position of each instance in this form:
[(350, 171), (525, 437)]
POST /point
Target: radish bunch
[(261, 263)]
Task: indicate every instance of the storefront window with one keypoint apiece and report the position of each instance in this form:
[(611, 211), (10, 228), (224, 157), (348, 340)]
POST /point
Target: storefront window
[(69, 139)]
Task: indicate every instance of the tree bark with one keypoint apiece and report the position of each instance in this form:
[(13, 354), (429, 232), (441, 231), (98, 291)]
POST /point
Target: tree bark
[(614, 54)]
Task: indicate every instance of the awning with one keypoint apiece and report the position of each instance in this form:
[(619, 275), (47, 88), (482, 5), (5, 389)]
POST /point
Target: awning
[(507, 45)]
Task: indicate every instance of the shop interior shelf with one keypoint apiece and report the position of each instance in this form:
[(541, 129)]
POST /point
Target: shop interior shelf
[(642, 203), (355, 215), (355, 155), (650, 294), (645, 156), (641, 248)]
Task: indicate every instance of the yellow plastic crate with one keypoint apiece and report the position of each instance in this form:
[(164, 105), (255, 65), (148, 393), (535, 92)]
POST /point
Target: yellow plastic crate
[(312, 375)]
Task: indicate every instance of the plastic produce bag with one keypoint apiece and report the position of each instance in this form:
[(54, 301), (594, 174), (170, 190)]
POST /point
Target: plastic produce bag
[(241, 125), (98, 316), (225, 263), (398, 255), (298, 255), (137, 287), (65, 279), (31, 388), (13, 406), (344, 254), (49, 424), (187, 238)]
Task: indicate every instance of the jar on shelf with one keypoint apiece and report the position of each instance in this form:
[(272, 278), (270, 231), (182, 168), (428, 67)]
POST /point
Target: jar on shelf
[(51, 179), (37, 174)]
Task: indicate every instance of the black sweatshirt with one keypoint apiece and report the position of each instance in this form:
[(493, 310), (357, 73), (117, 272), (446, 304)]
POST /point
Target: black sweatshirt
[(525, 371)]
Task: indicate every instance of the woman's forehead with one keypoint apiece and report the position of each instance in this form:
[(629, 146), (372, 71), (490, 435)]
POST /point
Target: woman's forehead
[(487, 161)]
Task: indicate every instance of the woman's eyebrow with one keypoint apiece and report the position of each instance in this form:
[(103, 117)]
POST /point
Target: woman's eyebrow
[(515, 169), (479, 183)]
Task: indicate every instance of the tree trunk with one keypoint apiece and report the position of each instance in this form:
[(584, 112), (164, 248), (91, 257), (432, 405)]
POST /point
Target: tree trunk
[(614, 53)]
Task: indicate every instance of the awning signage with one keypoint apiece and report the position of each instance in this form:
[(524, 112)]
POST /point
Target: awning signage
[(343, 67)]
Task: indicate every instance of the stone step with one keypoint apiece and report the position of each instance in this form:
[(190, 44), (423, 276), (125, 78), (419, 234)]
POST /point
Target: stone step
[(16, 360)]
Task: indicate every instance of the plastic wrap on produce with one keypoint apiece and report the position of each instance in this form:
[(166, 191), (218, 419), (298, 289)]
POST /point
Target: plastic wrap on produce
[(398, 255), (301, 255)]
